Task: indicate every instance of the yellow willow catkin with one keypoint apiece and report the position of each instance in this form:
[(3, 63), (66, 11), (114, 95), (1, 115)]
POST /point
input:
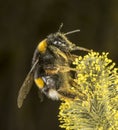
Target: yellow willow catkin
[(97, 79)]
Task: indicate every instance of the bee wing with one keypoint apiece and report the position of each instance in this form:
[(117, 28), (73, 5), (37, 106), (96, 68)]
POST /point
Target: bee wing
[(26, 86)]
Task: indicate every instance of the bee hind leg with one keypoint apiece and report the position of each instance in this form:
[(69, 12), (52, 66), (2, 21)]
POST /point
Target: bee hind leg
[(66, 94)]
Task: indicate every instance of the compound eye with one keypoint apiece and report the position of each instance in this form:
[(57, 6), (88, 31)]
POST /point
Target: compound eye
[(59, 43), (55, 42)]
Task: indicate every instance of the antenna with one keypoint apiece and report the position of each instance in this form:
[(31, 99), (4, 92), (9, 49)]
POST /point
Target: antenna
[(60, 27), (74, 31), (70, 32)]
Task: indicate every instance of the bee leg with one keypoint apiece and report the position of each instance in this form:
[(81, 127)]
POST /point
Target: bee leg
[(67, 94), (64, 69), (80, 48), (41, 96), (58, 52), (51, 69)]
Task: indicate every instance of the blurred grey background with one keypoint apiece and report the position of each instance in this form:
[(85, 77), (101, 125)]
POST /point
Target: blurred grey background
[(23, 24)]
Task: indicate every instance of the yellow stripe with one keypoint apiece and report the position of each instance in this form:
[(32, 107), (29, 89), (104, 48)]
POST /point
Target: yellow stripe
[(42, 46), (39, 82)]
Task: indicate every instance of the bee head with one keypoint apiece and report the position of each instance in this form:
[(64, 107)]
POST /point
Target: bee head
[(60, 41)]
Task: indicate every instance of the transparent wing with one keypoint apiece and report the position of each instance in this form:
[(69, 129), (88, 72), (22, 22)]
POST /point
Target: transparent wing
[(26, 86)]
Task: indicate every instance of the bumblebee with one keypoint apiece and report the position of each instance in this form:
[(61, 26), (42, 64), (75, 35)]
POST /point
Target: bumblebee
[(51, 67)]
